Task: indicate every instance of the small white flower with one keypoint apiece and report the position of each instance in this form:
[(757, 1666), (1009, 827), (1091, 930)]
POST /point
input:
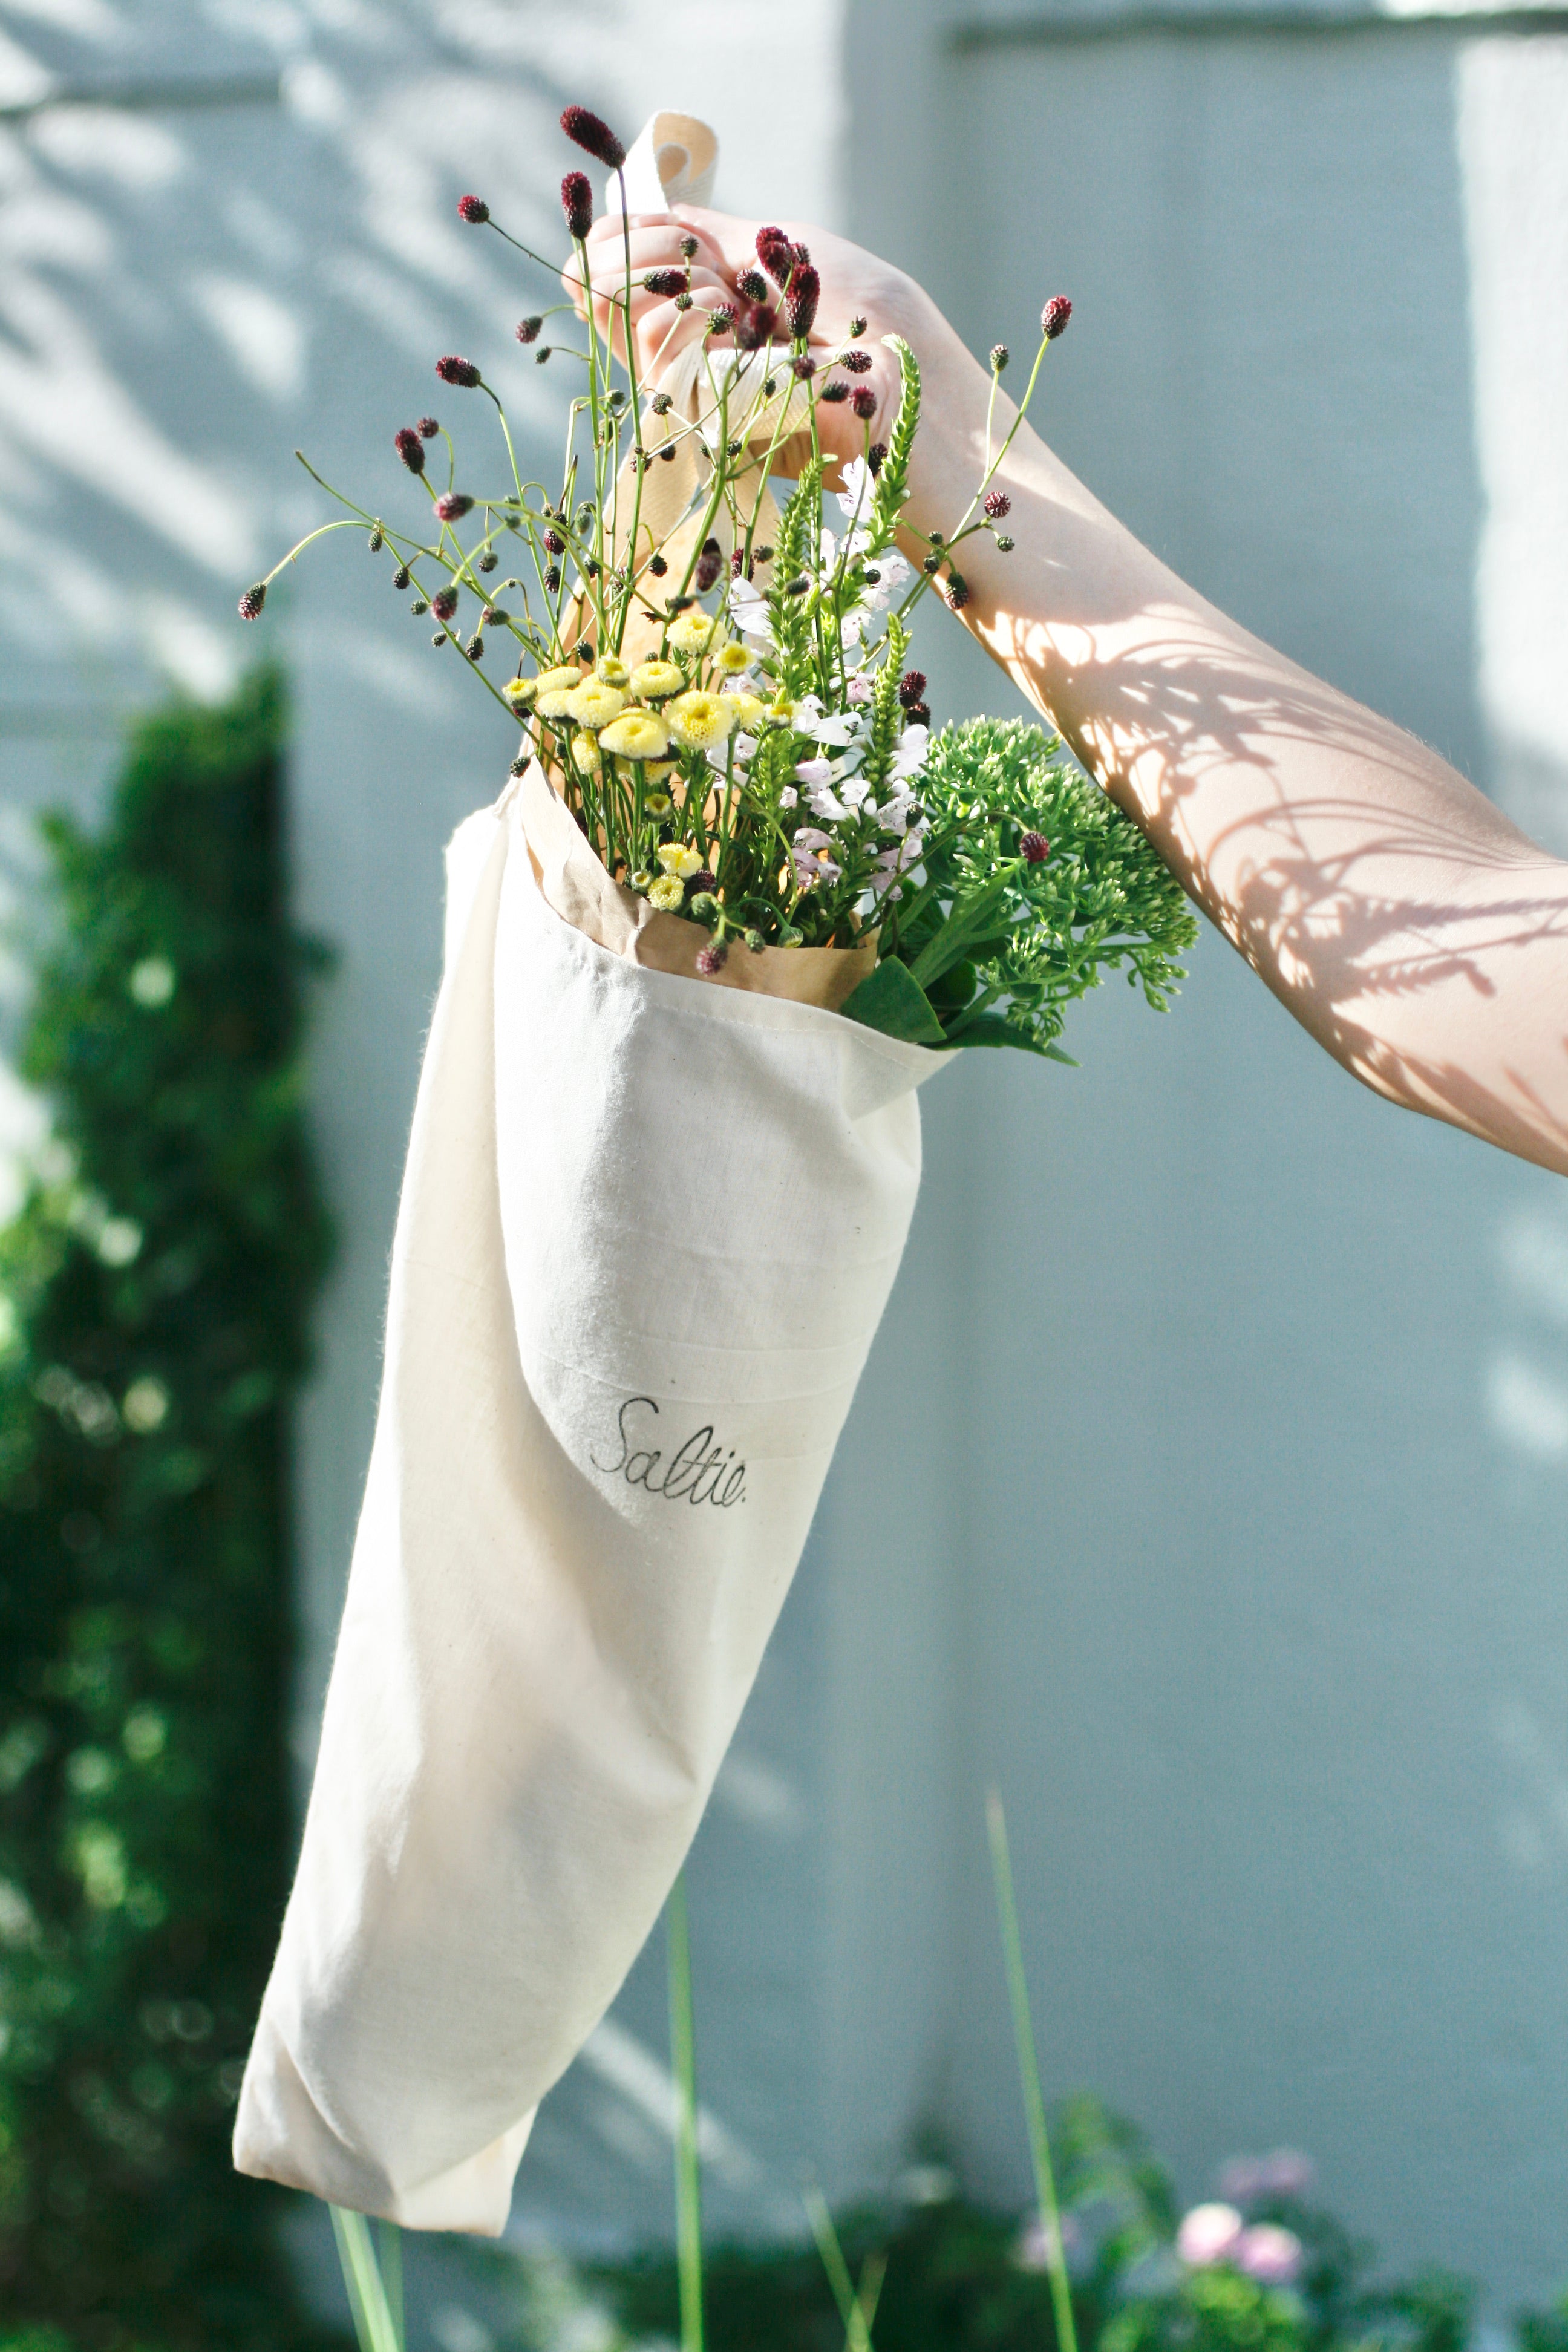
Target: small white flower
[(893, 571), (788, 797), (836, 728), (814, 772), (830, 548), (860, 689), (749, 609), (854, 789), (855, 495), (825, 804), (852, 628)]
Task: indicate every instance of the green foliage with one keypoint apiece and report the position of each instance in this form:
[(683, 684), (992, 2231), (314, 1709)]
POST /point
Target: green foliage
[(153, 1300), (999, 944), (893, 481)]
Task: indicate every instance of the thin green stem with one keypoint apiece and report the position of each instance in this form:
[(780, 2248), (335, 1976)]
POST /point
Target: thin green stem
[(856, 2309), (687, 2170), (368, 2300), (1029, 2072)]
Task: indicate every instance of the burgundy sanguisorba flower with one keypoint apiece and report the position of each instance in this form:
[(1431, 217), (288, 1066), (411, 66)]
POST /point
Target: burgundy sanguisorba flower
[(712, 959), (957, 591), (708, 564), (776, 253), (1034, 847), (428, 427), (577, 203), (406, 443), (863, 401), (443, 604), (453, 505), (594, 135), (757, 324), (911, 687), (997, 504), (805, 290), (665, 282), (1054, 316), (252, 601), (854, 362), (473, 210), (453, 370), (528, 329)]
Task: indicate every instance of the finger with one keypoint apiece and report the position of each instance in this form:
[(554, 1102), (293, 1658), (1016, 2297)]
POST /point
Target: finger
[(651, 235)]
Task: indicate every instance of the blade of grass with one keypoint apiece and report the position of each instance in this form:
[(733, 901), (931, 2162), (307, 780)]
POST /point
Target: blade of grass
[(688, 2174), (361, 2278), (856, 2310), (1029, 2074), (389, 2242)]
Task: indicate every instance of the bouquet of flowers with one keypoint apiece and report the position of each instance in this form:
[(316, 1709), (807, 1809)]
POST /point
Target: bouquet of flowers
[(731, 906), (721, 694)]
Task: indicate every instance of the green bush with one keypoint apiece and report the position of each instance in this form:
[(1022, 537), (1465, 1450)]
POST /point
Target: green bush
[(154, 1293)]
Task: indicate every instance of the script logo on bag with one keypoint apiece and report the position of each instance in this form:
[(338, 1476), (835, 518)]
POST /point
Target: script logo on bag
[(701, 1470)]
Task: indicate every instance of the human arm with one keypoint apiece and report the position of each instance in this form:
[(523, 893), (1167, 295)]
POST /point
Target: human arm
[(1414, 931)]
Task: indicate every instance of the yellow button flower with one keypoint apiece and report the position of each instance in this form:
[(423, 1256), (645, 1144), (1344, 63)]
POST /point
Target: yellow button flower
[(656, 680), (553, 690), (748, 708), (521, 691), (594, 704), (657, 803), (613, 670), (678, 857), (698, 720), (693, 631), (734, 657), (667, 894), (586, 750), (635, 735)]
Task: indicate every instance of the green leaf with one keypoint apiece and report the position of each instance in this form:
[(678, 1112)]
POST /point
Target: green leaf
[(893, 1001), (971, 919), (990, 1029)]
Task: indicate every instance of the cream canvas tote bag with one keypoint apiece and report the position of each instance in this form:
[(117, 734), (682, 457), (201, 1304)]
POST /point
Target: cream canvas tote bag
[(648, 1229)]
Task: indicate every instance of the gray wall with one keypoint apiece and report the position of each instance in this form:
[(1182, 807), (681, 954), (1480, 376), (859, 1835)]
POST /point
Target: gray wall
[(1204, 1488)]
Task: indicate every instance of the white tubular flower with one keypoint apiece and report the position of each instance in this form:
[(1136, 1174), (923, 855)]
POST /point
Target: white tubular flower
[(749, 609), (594, 704), (698, 720), (909, 756), (679, 859), (854, 789), (635, 735), (667, 894), (855, 497), (824, 802), (892, 574), (814, 772)]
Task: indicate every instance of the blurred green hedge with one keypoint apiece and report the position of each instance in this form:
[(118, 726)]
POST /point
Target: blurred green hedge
[(154, 1298)]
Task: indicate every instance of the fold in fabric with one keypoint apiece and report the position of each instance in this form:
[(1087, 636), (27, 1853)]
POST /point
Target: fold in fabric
[(648, 1229)]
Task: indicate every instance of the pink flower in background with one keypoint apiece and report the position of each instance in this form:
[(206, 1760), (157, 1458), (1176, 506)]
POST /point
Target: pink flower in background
[(1284, 2172), (1209, 2234), (1270, 2255), (1032, 2252)]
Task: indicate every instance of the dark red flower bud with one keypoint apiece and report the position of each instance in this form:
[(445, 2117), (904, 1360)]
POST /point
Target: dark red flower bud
[(658, 565), (428, 428), (594, 137), (836, 390), (452, 370), (453, 505), (252, 601), (752, 284), (400, 578), (688, 246), (804, 367), (911, 687), (997, 504), (475, 648), (552, 580), (708, 565), (1054, 316), (443, 604), (473, 210), (577, 203), (406, 444), (957, 591), (755, 327), (877, 457), (805, 290), (528, 330), (554, 542), (856, 363), (773, 252), (919, 714), (702, 881), (863, 401), (1036, 848), (738, 564), (712, 959), (1000, 355), (722, 320), (665, 282)]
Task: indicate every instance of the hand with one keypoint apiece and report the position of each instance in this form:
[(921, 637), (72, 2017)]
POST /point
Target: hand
[(855, 284)]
